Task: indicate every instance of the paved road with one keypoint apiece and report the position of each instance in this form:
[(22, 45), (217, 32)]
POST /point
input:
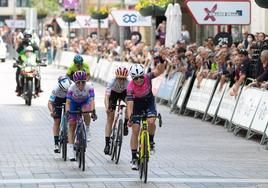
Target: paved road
[(189, 152)]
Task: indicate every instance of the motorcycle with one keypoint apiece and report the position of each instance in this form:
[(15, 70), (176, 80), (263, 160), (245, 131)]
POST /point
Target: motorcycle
[(29, 78)]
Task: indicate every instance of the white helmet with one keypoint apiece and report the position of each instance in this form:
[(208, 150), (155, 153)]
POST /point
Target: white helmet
[(64, 82), (136, 70)]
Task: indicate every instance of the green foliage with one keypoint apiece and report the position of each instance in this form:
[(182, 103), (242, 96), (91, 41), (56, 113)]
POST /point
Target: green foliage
[(45, 7)]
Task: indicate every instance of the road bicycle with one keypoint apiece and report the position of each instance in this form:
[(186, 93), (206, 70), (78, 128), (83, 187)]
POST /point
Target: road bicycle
[(144, 145), (80, 143), (117, 132)]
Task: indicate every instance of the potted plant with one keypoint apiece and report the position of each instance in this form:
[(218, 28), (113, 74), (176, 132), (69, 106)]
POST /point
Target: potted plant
[(100, 13), (152, 7), (69, 16), (41, 13)]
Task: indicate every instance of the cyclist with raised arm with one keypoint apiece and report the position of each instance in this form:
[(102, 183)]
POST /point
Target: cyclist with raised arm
[(56, 100), (78, 65), (116, 89), (80, 96), (140, 99)]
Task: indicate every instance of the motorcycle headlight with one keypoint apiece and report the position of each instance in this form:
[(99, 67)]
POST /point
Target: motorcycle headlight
[(28, 69)]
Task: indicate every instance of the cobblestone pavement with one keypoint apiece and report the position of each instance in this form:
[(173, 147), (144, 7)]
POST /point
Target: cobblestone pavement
[(189, 152)]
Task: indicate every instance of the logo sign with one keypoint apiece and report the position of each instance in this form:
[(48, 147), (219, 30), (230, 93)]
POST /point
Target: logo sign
[(130, 18), (220, 12), (70, 4), (223, 38), (16, 24), (88, 22)]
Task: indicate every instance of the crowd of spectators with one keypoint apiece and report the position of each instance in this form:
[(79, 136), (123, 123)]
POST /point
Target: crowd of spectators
[(223, 62)]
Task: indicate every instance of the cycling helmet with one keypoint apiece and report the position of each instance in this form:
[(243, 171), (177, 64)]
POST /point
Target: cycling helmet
[(121, 72), (136, 70), (29, 49), (64, 82), (78, 59), (79, 75)]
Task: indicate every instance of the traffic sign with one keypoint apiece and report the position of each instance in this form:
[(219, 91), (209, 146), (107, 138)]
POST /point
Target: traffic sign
[(220, 12)]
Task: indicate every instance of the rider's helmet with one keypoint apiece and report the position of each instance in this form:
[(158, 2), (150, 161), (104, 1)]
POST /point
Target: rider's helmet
[(79, 75), (29, 49), (28, 33), (64, 82), (121, 72), (136, 70), (78, 60)]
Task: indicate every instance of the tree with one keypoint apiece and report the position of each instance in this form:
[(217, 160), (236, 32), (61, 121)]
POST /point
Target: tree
[(44, 7), (262, 3)]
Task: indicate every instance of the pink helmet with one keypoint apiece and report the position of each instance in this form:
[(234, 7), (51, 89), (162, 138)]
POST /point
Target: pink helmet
[(79, 75)]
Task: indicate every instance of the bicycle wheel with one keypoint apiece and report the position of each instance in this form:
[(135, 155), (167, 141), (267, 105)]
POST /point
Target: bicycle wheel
[(119, 139), (145, 157), (113, 138), (82, 158), (64, 148), (140, 160)]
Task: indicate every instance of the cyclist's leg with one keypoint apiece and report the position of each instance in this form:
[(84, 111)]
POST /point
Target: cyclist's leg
[(137, 109), (134, 145), (86, 107), (71, 132), (151, 113), (56, 130), (123, 97)]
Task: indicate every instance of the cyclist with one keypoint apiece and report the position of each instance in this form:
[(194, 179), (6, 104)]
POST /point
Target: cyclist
[(140, 99), (116, 89), (26, 41), (78, 64), (56, 100), (28, 57), (80, 95)]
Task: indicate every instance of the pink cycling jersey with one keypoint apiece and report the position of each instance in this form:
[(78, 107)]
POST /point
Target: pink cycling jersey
[(135, 91)]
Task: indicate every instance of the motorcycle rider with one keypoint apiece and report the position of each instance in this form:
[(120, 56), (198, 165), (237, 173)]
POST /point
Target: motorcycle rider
[(26, 41), (28, 58)]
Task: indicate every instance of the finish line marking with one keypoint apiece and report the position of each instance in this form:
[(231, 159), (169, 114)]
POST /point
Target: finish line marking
[(155, 180)]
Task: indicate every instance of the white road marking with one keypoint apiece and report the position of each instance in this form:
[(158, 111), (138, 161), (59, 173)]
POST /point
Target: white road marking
[(155, 180)]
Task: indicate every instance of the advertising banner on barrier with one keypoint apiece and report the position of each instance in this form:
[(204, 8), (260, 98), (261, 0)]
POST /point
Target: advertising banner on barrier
[(167, 86), (246, 107), (199, 98), (261, 117), (227, 105), (216, 100), (156, 83), (184, 90), (128, 18)]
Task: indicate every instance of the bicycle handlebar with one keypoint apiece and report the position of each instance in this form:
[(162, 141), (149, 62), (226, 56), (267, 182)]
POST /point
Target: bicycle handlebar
[(80, 112)]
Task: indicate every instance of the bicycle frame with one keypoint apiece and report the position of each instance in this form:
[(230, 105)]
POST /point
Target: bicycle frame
[(143, 131)]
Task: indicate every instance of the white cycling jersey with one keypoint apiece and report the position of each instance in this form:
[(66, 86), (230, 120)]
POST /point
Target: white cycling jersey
[(57, 92), (115, 85)]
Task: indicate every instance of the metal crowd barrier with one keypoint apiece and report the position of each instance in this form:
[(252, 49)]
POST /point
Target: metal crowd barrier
[(248, 110)]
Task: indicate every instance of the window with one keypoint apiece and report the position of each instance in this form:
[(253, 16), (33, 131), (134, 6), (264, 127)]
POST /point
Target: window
[(3, 3), (22, 3)]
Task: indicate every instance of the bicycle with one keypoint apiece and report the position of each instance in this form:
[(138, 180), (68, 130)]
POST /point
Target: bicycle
[(117, 133), (80, 138), (144, 144), (63, 132)]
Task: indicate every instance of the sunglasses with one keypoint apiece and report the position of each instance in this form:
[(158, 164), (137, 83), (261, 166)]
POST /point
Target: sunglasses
[(81, 82), (139, 77)]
